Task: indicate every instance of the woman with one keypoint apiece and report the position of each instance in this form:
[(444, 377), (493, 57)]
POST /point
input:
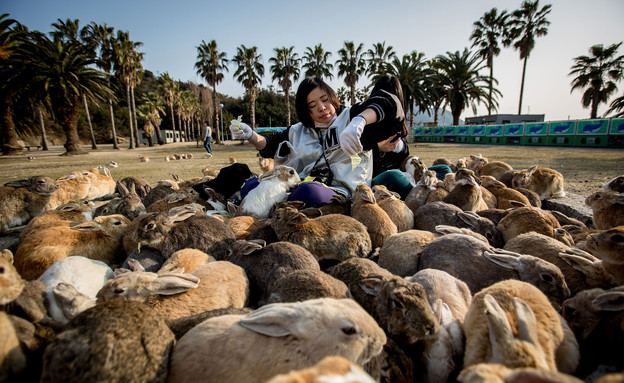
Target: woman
[(322, 146)]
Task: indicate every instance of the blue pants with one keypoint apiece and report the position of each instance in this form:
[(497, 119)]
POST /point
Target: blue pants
[(208, 145)]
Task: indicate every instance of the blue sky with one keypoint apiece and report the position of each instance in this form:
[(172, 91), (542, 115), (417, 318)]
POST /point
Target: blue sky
[(171, 31)]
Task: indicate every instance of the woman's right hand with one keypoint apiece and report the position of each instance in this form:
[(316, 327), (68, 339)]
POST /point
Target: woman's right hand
[(241, 133), (388, 144)]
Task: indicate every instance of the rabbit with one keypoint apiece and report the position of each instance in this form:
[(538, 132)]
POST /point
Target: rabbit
[(365, 209), (419, 194), (607, 208), (141, 186), (413, 168), (176, 295), (609, 247), (144, 158), (467, 192), (390, 202), (272, 188), (400, 252), (494, 169), (261, 261), (616, 185), (68, 214), (526, 219), (336, 369), (441, 213), (288, 336), (304, 284), (546, 182), (266, 164), (479, 265), (511, 307), (99, 239), (229, 180), (129, 204), (21, 201), (181, 227), (476, 162), (117, 341), (502, 193), (328, 237)]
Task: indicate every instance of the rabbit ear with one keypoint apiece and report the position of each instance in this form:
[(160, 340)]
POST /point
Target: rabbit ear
[(18, 184), (170, 283), (516, 204), (505, 259), (121, 271), (500, 329), (250, 246), (135, 265), (88, 226), (311, 212), (8, 255), (299, 219), (446, 229), (271, 174), (609, 301), (123, 190), (527, 323), (469, 218), (274, 320), (372, 284), (178, 214)]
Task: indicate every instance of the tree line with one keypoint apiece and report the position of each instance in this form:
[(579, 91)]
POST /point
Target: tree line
[(59, 78)]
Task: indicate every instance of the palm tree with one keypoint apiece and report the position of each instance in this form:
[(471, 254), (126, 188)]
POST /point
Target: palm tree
[(414, 76), (463, 85), (127, 65), (103, 36), (249, 73), (616, 107), (599, 73), (69, 31), (351, 65), (169, 89), (486, 34), (526, 24), (316, 64), (9, 40), (210, 65), (150, 110), (285, 65), (61, 72), (378, 57)]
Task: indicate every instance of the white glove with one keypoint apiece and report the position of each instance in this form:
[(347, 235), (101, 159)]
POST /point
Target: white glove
[(240, 132), (350, 136)]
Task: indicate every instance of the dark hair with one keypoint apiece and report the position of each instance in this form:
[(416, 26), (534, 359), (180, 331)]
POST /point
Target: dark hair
[(391, 84), (301, 98)]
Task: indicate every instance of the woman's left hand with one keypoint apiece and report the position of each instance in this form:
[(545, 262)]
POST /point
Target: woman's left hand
[(387, 145)]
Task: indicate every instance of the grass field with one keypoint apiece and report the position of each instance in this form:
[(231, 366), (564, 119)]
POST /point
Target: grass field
[(584, 169)]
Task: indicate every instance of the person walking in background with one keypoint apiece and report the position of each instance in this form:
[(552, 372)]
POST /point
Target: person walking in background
[(207, 136)]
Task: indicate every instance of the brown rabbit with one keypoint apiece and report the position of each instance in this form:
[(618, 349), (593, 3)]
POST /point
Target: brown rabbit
[(616, 185), (503, 193), (396, 209), (608, 209), (526, 219), (466, 194), (365, 209), (22, 200), (544, 181), (609, 247), (495, 169)]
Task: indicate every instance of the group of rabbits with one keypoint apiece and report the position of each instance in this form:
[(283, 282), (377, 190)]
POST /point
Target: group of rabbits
[(466, 279)]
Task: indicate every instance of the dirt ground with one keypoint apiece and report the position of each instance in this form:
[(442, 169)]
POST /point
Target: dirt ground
[(584, 169)]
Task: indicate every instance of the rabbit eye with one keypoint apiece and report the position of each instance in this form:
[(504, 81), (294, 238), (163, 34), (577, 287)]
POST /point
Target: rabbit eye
[(117, 223), (397, 304), (119, 290), (547, 277), (292, 172), (348, 330), (150, 226), (489, 236), (617, 238), (1, 269)]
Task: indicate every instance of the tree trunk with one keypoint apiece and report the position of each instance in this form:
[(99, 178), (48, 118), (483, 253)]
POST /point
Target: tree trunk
[(352, 95), (93, 144), (180, 128), (287, 93), (252, 108), (490, 90), (522, 85), (594, 107), (158, 136), (67, 116), (10, 139), (216, 114), (44, 139), (131, 146), (173, 123), (134, 115), (113, 131)]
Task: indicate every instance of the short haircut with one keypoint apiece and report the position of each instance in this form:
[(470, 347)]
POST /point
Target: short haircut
[(301, 98)]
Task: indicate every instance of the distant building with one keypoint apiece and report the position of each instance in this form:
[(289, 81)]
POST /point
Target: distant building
[(497, 119)]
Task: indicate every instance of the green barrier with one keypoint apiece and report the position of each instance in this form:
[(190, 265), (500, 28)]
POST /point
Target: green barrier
[(561, 133), (513, 133), (592, 127), (561, 140), (534, 140), (617, 126), (494, 134), (417, 134), (592, 141)]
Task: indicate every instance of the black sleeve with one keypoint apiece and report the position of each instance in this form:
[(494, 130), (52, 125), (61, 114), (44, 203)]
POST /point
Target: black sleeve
[(272, 142), (386, 106)]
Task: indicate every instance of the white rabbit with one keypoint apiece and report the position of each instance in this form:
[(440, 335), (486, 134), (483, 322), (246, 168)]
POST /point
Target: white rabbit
[(272, 188)]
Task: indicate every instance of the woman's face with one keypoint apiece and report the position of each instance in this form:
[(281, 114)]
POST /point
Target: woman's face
[(321, 109)]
